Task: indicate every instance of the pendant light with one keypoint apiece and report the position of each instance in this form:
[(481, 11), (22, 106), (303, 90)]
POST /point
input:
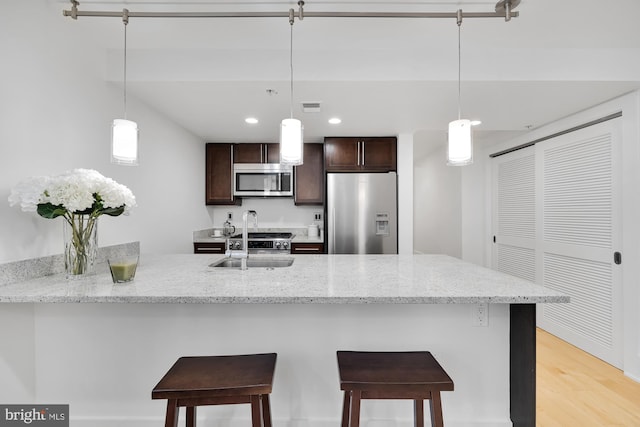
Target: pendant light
[(460, 151), (291, 129), (124, 133)]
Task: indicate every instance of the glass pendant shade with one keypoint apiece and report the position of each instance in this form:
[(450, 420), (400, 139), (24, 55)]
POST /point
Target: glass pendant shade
[(291, 142), (460, 151), (124, 142)]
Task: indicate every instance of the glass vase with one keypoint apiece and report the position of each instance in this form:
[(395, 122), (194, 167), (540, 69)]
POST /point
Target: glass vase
[(80, 244)]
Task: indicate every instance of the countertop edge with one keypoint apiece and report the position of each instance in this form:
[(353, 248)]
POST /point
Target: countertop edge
[(132, 299)]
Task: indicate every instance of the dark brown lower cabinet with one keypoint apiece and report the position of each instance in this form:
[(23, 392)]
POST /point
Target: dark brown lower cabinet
[(307, 248), (209, 248)]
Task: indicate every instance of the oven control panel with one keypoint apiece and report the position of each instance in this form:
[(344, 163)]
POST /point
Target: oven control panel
[(263, 242)]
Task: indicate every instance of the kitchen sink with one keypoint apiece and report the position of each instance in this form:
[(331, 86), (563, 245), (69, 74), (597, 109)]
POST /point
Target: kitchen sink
[(258, 262)]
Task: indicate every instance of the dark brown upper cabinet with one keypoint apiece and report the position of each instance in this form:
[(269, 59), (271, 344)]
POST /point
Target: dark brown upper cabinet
[(256, 153), (309, 177), (371, 154), (219, 175)]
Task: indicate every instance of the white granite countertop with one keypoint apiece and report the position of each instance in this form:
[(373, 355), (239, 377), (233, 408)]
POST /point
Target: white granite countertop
[(312, 279), (303, 238)]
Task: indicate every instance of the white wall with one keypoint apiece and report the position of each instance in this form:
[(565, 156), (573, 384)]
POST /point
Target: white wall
[(109, 383), (405, 194), (17, 352), (474, 209), (437, 205), (56, 114)]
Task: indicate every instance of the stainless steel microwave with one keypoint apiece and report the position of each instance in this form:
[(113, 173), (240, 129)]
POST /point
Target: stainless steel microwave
[(262, 180)]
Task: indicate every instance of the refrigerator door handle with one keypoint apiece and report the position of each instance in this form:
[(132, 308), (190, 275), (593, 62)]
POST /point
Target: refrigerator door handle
[(358, 154), (362, 142), (332, 243)]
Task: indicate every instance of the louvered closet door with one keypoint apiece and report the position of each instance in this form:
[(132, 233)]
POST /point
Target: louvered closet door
[(578, 221), (514, 221)]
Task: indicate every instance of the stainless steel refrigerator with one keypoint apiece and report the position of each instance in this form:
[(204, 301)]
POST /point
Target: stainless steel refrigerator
[(362, 213)]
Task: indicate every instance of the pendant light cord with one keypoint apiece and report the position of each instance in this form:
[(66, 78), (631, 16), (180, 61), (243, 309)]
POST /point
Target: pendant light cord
[(291, 20), (459, 21), (125, 20)]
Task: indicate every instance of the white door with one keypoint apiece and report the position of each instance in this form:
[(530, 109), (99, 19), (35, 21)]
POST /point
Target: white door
[(578, 221), (556, 221), (514, 210)]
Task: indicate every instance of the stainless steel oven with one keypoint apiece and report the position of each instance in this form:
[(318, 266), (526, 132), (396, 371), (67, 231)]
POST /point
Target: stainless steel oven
[(262, 180), (263, 243)]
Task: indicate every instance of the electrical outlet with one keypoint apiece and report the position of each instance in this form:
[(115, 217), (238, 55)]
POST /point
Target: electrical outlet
[(481, 315), (317, 216), (229, 216)]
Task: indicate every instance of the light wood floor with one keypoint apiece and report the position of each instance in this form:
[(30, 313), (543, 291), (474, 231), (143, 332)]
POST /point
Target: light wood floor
[(577, 389)]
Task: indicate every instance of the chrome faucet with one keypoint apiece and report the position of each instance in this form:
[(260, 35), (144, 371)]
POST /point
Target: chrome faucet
[(244, 253)]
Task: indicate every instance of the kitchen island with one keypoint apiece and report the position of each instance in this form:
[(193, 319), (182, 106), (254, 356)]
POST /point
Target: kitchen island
[(101, 347)]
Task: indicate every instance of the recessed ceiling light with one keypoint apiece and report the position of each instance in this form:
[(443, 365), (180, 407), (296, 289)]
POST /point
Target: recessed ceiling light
[(335, 121), (251, 120), (476, 122)]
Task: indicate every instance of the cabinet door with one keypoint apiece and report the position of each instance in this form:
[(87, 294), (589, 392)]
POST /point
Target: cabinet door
[(272, 152), (209, 248), (360, 154), (257, 153), (307, 248), (378, 154), (342, 154), (219, 176), (247, 153), (309, 177)]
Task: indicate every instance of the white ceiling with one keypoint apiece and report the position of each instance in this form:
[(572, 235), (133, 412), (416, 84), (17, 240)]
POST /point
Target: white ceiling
[(381, 76)]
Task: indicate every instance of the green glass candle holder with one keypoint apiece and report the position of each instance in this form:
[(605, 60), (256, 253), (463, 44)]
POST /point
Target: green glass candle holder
[(123, 269)]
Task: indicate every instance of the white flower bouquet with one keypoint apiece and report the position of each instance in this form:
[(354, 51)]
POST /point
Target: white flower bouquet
[(80, 196)]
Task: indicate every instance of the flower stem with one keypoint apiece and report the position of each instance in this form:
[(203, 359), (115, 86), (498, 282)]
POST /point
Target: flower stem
[(79, 253)]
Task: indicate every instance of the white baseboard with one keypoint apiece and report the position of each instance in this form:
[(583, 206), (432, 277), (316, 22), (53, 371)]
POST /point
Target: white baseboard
[(158, 421), (633, 377)]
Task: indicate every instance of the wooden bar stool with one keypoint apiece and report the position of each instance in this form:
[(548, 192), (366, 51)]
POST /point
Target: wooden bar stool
[(415, 375), (218, 380)]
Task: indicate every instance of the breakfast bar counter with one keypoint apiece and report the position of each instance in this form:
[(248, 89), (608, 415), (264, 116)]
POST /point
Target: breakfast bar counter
[(101, 347), (311, 279)]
